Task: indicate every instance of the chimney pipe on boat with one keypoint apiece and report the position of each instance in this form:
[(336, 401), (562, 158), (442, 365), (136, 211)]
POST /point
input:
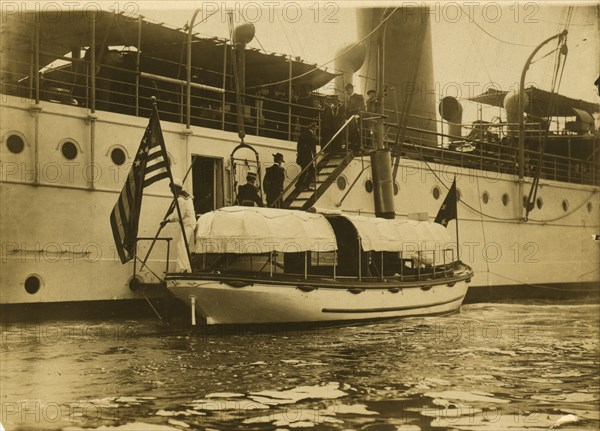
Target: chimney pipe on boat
[(408, 66), (348, 60), (451, 111), (381, 159), (242, 34), (511, 106)]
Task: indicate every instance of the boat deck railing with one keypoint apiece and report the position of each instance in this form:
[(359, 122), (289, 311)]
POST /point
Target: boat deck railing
[(272, 113), (416, 266)]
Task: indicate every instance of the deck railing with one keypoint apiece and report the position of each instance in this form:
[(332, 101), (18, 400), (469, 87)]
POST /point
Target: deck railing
[(128, 91)]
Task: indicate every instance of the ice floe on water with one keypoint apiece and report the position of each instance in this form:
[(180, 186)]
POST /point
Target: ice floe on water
[(575, 397), (133, 426), (475, 397)]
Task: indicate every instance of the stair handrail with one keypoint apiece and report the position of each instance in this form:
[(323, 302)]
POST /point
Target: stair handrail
[(314, 160)]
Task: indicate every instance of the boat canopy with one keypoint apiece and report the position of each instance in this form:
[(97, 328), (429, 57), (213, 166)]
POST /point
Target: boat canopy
[(253, 230), (410, 237)]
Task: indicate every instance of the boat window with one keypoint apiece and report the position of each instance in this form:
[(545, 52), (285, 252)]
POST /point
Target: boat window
[(485, 197), (565, 205), (32, 284), (69, 150), (505, 199), (369, 185), (117, 155), (540, 203), (341, 182), (15, 143), (436, 193)]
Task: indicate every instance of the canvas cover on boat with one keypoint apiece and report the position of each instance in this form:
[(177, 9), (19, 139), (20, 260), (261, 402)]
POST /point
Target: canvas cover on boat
[(415, 239), (253, 230)]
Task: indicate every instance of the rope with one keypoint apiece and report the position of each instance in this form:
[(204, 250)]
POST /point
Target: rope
[(543, 286), (494, 217), (283, 81), (491, 35)]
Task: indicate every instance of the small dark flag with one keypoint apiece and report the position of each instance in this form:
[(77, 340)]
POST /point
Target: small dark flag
[(448, 211), (149, 166)]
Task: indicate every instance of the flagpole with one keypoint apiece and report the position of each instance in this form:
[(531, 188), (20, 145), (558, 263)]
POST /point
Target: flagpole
[(169, 211), (457, 243), (166, 157)]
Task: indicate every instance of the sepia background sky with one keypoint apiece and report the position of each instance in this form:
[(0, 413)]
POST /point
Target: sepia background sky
[(463, 52)]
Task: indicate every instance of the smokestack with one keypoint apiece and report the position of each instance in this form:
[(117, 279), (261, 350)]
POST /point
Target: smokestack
[(408, 63), (348, 60)]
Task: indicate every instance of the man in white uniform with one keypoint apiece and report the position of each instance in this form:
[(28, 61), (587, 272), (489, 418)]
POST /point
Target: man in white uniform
[(188, 216)]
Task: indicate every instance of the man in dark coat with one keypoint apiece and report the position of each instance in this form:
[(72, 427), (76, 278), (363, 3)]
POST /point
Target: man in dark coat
[(248, 193), (354, 105), (307, 150), (273, 182)]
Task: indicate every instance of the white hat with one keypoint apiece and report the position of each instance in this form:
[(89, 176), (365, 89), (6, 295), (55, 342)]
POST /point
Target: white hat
[(177, 182)]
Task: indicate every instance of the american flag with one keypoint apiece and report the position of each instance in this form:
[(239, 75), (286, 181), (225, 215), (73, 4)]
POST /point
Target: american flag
[(150, 165)]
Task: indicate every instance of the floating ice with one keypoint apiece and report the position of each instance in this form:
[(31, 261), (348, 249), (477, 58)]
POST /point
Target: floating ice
[(566, 419), (290, 396), (223, 404), (224, 395), (178, 423), (354, 409), (478, 397), (133, 426), (575, 397)]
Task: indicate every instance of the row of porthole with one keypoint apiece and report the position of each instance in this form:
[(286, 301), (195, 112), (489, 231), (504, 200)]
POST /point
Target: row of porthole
[(485, 197), (69, 149), (342, 183)]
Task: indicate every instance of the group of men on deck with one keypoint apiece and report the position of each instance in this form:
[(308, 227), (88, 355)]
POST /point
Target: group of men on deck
[(307, 149)]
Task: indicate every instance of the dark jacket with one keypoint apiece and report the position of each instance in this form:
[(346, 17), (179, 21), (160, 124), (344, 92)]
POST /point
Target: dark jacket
[(356, 103), (273, 182), (307, 147), (247, 193)]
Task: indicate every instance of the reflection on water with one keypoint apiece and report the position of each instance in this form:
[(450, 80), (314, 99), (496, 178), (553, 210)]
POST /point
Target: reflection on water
[(491, 367)]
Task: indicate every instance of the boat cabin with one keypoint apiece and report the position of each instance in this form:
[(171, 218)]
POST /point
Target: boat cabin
[(259, 243)]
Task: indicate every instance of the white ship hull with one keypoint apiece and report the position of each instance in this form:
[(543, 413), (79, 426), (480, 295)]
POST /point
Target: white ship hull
[(55, 221)]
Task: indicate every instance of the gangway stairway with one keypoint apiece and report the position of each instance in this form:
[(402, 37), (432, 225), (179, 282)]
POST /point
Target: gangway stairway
[(328, 168)]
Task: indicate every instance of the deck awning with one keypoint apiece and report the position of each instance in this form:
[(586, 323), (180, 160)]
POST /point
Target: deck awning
[(253, 230), (410, 237)]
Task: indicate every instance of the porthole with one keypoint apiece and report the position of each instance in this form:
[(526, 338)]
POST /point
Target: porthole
[(369, 185), (590, 207), (396, 188), (505, 199), (436, 193), (341, 182), (539, 203), (15, 144), (565, 205), (69, 150), (117, 155), (32, 284), (485, 197)]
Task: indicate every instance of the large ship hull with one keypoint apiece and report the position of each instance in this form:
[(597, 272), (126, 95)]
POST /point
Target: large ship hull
[(55, 219)]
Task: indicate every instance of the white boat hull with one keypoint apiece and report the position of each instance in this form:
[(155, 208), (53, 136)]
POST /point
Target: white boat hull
[(218, 303)]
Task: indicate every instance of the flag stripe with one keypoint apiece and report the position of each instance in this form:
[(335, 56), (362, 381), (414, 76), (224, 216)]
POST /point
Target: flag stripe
[(149, 166)]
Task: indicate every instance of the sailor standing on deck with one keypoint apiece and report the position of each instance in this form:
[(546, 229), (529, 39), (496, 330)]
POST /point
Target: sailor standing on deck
[(188, 216), (248, 193)]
